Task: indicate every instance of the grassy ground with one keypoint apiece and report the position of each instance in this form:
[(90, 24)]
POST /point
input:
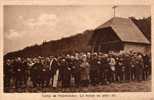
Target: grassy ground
[(143, 86)]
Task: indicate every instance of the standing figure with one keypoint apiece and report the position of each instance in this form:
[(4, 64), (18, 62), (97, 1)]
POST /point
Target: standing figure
[(75, 71), (119, 64), (54, 68), (26, 72), (65, 73), (94, 70), (102, 66), (133, 65), (127, 65), (18, 73), (106, 68), (45, 74), (8, 72), (139, 67), (146, 62), (112, 64), (84, 73), (35, 73)]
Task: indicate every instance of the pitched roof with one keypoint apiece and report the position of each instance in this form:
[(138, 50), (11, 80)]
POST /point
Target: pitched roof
[(126, 30)]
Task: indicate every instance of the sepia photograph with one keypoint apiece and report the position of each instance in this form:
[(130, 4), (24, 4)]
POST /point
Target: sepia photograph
[(77, 48)]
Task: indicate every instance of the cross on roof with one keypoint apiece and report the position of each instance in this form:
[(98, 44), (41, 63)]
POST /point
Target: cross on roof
[(114, 7)]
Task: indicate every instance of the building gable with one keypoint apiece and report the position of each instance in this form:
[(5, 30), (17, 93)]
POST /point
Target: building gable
[(126, 30)]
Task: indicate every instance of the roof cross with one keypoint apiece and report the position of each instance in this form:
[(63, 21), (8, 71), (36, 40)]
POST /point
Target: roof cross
[(114, 8)]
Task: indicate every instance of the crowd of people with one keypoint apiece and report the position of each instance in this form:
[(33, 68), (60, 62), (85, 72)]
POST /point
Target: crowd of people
[(76, 70)]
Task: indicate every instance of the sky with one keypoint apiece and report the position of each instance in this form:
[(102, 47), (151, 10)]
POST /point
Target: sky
[(26, 25)]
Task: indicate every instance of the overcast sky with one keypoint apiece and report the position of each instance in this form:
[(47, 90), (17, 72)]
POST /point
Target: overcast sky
[(29, 25)]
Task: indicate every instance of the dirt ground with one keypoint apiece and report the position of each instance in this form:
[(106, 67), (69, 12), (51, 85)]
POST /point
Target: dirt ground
[(143, 86)]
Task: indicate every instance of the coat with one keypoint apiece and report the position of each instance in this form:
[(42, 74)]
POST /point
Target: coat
[(84, 71)]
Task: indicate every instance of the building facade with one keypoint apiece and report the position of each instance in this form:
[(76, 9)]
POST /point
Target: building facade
[(119, 34)]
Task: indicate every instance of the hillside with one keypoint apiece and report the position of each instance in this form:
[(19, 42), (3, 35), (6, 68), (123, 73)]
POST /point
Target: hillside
[(76, 43), (70, 44)]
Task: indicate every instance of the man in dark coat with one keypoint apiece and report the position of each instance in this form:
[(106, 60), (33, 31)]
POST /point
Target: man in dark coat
[(102, 66), (139, 67), (146, 63), (133, 65), (35, 73), (65, 73), (18, 73), (127, 65), (75, 71), (106, 68), (45, 74), (26, 72), (94, 70), (8, 72)]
